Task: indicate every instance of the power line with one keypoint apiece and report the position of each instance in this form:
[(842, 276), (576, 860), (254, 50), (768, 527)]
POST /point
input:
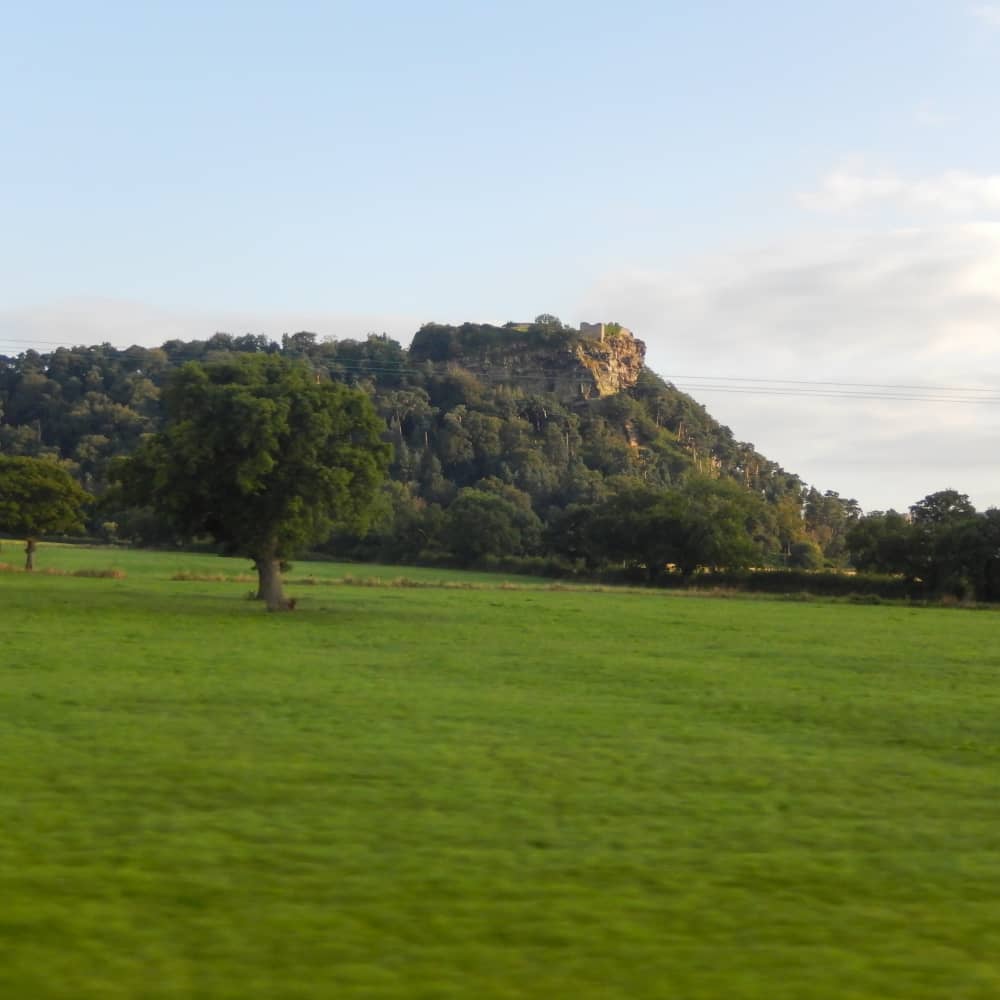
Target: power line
[(875, 396), (860, 385), (743, 385)]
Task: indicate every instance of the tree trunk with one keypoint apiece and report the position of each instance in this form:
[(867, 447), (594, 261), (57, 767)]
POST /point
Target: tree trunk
[(29, 554), (269, 588)]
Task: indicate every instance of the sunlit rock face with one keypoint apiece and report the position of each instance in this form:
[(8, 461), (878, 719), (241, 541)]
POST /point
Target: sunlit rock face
[(614, 361), (599, 359)]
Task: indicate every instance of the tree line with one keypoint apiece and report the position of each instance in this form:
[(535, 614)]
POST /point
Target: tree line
[(479, 467), (942, 546)]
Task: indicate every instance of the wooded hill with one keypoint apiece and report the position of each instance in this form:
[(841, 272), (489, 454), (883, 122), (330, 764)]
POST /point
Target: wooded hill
[(520, 415)]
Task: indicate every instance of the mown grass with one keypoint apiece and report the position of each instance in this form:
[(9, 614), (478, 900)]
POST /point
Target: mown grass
[(166, 565), (401, 792)]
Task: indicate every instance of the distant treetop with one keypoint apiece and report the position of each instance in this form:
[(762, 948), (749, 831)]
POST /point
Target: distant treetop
[(439, 342)]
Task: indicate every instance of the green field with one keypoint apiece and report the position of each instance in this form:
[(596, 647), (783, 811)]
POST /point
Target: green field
[(489, 793)]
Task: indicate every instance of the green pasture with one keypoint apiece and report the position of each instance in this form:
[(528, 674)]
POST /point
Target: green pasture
[(159, 567), (491, 793)]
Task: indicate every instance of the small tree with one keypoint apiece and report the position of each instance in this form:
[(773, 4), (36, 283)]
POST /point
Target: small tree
[(805, 555), (38, 497), (263, 458), (548, 319)]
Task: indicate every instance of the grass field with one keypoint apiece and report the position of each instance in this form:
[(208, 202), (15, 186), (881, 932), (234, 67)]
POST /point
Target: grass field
[(489, 793)]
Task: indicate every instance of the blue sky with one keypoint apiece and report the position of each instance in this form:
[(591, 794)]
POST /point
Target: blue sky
[(775, 189)]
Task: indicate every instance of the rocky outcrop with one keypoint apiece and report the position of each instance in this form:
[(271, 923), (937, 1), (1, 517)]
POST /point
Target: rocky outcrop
[(613, 363), (564, 362)]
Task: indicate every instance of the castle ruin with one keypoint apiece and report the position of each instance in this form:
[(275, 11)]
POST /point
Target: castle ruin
[(602, 331)]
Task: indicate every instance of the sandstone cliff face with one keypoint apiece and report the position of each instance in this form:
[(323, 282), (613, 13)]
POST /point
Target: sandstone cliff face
[(571, 365), (614, 363)]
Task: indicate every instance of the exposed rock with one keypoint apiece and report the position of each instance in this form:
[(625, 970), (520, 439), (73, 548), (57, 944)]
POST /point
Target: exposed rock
[(614, 362), (600, 361)]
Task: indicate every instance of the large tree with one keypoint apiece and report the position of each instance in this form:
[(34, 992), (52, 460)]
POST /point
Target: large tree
[(38, 497), (262, 457)]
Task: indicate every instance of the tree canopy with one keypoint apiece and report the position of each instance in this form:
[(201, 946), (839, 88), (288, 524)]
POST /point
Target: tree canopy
[(944, 547), (465, 407), (261, 457), (38, 497), (706, 523)]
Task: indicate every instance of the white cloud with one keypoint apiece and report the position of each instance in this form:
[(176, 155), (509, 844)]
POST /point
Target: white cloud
[(914, 307), (954, 192), (988, 13)]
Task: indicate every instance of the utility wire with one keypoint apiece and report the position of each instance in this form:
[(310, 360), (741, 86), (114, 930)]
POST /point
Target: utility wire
[(863, 385), (875, 396), (743, 385)]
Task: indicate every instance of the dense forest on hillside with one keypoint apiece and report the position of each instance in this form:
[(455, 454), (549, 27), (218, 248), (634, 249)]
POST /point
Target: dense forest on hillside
[(489, 460)]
